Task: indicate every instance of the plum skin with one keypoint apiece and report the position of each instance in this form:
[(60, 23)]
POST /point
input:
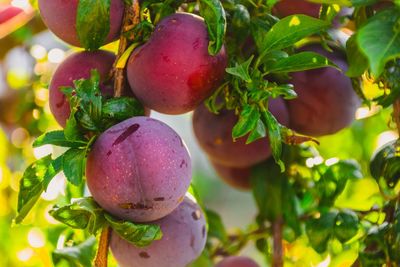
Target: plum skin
[(214, 135), (326, 101), (60, 17), (238, 178), (139, 170), (184, 238), (173, 73), (237, 261), (75, 67), (285, 8)]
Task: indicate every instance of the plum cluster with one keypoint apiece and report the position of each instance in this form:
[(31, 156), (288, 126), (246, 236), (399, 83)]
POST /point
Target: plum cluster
[(139, 170)]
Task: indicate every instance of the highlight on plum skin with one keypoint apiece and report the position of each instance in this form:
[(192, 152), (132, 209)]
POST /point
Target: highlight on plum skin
[(173, 72), (60, 17), (75, 67), (184, 238), (326, 101), (237, 261), (214, 135), (139, 170)]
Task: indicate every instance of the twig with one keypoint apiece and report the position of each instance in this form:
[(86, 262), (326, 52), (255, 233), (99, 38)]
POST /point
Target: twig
[(131, 19), (102, 252), (277, 229)]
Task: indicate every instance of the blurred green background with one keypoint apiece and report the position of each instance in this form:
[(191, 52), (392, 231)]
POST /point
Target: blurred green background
[(28, 56)]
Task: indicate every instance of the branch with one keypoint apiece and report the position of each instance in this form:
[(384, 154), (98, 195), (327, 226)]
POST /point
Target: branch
[(131, 19), (102, 251), (277, 229)]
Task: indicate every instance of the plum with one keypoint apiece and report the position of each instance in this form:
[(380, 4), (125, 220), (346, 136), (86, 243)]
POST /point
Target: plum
[(326, 101), (237, 261), (139, 170), (238, 178), (184, 238), (60, 17), (75, 67), (214, 134), (173, 72), (286, 8)]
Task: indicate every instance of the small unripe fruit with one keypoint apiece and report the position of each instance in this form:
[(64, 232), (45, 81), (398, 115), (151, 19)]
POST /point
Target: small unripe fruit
[(173, 72), (139, 170), (184, 237)]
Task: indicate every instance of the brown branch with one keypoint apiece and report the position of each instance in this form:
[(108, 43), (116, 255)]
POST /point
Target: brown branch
[(277, 230), (102, 251), (131, 19)]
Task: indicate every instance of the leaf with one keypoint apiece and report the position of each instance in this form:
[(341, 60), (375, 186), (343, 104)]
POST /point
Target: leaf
[(216, 227), (93, 22), (241, 70), (274, 135), (358, 63), (83, 213), (203, 261), (346, 226), (76, 256), (379, 39), (247, 122), (214, 15), (53, 169), (257, 133), (32, 184), (121, 63), (122, 108), (57, 138), (299, 62), (319, 231), (74, 162), (140, 235), (290, 30), (386, 163)]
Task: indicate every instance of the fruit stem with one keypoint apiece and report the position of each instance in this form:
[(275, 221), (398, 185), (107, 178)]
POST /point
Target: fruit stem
[(102, 251), (131, 19), (277, 229)]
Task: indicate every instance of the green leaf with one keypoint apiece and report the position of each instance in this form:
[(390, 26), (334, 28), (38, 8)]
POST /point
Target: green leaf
[(241, 70), (346, 226), (122, 108), (257, 133), (292, 29), (386, 163), (203, 261), (57, 138), (358, 63), (53, 169), (247, 122), (140, 235), (379, 39), (83, 213), (76, 256), (93, 22), (319, 231), (216, 227), (214, 15), (36, 177), (299, 62), (274, 135), (74, 162)]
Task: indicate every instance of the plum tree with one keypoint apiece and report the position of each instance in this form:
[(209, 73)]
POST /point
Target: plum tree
[(60, 17), (214, 134), (326, 101), (184, 238), (286, 8), (237, 261), (139, 170), (78, 66), (238, 178), (173, 72)]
